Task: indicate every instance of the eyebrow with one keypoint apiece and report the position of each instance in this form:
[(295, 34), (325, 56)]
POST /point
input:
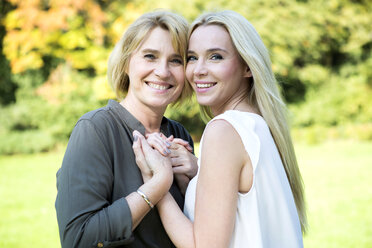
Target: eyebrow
[(149, 50), (210, 50)]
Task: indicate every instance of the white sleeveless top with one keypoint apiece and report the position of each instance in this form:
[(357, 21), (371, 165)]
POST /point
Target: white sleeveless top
[(266, 216)]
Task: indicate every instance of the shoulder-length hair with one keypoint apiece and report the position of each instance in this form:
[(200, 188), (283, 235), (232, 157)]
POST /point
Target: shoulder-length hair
[(137, 32)]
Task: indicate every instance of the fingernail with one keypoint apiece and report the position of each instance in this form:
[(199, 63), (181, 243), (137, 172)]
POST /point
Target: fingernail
[(168, 151), (135, 138), (168, 144)]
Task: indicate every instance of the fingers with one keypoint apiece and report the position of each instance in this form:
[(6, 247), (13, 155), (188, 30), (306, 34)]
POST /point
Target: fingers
[(183, 143), (158, 141), (185, 164), (145, 146), (179, 170), (140, 157), (163, 136), (159, 164)]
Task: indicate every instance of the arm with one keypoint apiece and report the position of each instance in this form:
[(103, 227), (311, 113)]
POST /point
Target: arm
[(223, 157), (86, 216)]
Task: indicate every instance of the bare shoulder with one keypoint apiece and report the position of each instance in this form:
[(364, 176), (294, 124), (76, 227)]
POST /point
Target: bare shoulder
[(220, 130), (221, 138)]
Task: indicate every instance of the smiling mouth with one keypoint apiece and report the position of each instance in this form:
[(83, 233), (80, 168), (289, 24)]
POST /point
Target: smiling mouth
[(159, 86), (205, 85)]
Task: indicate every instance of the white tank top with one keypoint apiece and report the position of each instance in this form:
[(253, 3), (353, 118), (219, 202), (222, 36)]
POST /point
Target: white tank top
[(266, 216)]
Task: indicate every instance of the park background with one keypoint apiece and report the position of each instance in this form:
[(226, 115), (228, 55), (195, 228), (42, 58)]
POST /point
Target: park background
[(53, 62)]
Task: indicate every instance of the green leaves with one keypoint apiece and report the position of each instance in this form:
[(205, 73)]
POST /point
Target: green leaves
[(54, 60)]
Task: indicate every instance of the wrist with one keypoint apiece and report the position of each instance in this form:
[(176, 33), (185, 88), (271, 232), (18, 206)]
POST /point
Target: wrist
[(162, 180)]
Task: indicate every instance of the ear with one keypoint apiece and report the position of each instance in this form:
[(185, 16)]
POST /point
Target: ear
[(248, 72)]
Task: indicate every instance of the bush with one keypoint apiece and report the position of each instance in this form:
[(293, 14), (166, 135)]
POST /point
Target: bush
[(26, 142)]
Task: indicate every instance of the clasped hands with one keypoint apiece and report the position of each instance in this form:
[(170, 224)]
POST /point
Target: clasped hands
[(164, 156)]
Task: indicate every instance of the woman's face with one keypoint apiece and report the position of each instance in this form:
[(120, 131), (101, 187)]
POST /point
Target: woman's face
[(156, 71), (214, 68)]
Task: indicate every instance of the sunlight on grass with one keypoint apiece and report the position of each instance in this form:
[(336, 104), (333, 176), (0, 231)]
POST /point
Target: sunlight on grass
[(27, 193), (339, 193), (336, 175)]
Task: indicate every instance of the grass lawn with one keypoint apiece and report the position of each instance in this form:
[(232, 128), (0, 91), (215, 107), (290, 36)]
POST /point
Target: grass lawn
[(338, 185), (336, 175)]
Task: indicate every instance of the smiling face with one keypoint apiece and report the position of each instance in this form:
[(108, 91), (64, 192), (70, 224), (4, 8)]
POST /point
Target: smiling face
[(215, 70), (156, 71)]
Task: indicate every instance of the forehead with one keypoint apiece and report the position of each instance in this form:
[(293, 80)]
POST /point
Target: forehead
[(157, 39), (204, 37)]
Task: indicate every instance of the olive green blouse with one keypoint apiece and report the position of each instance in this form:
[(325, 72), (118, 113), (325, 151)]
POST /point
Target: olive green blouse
[(97, 172)]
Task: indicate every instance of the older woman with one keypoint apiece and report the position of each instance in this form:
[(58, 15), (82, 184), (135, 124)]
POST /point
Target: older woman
[(100, 201)]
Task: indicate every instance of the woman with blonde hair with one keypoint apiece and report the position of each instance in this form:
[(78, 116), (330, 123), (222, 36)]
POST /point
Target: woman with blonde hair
[(100, 201), (248, 191)]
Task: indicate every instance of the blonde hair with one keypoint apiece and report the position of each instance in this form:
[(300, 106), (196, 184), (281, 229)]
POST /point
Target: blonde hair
[(263, 94), (138, 31)]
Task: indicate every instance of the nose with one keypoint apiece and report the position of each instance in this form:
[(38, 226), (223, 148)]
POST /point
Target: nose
[(162, 69), (200, 69)]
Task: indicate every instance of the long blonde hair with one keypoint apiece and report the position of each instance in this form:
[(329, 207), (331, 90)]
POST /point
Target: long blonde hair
[(263, 94), (137, 32)]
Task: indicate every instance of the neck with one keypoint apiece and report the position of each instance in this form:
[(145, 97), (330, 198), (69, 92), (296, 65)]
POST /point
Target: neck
[(150, 117), (239, 104)]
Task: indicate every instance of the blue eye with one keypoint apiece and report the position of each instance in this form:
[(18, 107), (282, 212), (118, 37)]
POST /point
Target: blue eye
[(191, 58), (177, 61), (149, 56), (216, 56)]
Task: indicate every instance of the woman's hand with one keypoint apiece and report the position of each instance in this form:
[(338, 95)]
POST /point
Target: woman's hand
[(161, 143), (146, 171), (150, 161), (183, 161), (179, 149), (184, 165)]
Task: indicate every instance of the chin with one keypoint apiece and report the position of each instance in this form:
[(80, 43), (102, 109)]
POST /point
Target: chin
[(204, 102)]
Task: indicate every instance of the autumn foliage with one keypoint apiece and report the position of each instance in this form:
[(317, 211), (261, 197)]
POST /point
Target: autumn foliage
[(53, 61)]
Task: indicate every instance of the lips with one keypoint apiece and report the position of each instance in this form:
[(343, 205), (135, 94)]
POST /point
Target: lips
[(204, 85), (159, 86)]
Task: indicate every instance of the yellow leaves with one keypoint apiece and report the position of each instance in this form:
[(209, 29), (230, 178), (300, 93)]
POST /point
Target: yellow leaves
[(31, 60), (93, 57), (36, 28), (73, 39), (20, 47)]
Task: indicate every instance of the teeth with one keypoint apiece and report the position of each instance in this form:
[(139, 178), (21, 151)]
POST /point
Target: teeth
[(204, 85), (157, 86)]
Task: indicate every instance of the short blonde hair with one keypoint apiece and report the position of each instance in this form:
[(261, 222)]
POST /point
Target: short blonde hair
[(118, 62), (263, 93)]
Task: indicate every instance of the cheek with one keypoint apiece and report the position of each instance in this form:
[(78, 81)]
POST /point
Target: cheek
[(179, 74), (228, 71), (189, 72)]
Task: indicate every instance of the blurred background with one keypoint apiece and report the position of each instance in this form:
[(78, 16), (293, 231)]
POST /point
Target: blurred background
[(53, 62)]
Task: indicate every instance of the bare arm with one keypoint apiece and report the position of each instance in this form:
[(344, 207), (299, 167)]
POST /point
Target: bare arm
[(223, 157)]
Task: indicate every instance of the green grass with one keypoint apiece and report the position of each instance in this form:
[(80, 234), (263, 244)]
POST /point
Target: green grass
[(338, 185), (336, 175), (27, 193)]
